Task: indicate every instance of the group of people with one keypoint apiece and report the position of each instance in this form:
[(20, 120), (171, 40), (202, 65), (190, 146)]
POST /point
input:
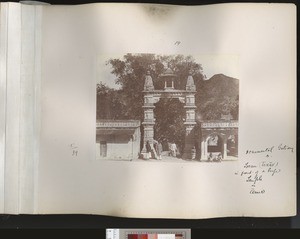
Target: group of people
[(173, 150), (155, 151), (216, 158)]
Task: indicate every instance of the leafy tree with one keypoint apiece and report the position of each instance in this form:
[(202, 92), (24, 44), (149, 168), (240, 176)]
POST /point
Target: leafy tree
[(218, 96), (169, 125), (131, 70), (110, 103), (215, 97), (214, 108)]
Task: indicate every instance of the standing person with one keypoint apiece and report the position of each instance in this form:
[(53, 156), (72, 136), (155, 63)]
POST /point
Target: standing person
[(159, 150), (193, 152), (155, 149), (210, 157), (173, 149), (148, 149), (219, 158), (169, 148)]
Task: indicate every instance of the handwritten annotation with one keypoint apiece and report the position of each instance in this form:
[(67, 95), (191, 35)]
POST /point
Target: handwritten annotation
[(254, 173)]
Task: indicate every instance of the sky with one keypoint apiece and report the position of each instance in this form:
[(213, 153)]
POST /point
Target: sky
[(211, 64)]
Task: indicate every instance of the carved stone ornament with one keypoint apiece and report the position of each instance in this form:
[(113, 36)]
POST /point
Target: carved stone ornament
[(148, 82)]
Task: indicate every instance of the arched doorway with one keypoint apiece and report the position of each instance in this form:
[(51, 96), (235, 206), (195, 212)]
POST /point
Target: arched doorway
[(215, 146), (232, 146), (219, 136), (169, 125)]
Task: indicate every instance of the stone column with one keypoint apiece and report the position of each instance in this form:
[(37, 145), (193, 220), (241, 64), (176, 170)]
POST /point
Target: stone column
[(202, 157), (225, 149), (205, 149), (149, 120), (189, 123), (148, 107)]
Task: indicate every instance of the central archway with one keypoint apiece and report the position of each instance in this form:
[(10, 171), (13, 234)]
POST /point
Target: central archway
[(152, 96), (169, 123)]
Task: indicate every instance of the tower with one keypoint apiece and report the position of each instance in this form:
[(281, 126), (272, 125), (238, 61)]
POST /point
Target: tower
[(148, 107), (190, 121)]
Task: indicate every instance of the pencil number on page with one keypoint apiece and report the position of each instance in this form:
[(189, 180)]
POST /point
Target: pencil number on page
[(74, 150)]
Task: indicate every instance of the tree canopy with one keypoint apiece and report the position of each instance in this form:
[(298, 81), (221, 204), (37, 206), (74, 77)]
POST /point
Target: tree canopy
[(215, 97), (169, 122), (130, 75)]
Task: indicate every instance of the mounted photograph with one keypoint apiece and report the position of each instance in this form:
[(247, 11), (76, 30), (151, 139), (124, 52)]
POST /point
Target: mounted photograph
[(166, 108)]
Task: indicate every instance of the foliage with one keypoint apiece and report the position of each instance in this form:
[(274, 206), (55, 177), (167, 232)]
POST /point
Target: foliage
[(110, 104), (130, 72), (214, 98), (218, 96), (169, 125), (214, 108)]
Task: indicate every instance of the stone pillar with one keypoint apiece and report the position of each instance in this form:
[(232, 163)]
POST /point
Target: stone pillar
[(225, 150), (149, 120), (202, 157), (205, 149), (148, 107), (190, 124), (148, 135), (189, 141)]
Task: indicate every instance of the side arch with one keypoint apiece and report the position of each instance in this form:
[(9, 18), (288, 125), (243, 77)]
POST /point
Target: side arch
[(213, 143)]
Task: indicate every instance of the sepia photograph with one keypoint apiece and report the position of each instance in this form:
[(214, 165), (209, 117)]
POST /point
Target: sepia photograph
[(165, 108)]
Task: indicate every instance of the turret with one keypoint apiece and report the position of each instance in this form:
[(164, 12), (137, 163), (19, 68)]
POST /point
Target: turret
[(190, 84), (148, 82)]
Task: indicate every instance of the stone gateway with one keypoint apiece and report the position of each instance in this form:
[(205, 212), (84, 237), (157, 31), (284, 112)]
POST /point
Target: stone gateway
[(152, 96), (210, 140)]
